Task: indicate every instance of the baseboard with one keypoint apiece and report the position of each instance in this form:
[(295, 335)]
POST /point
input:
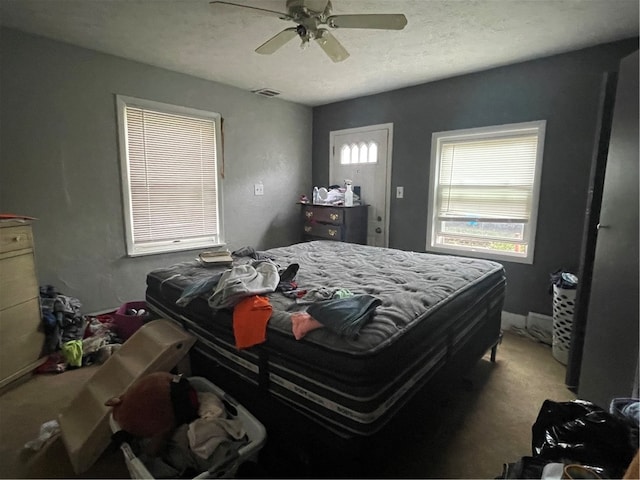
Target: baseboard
[(533, 325), (510, 320), (540, 322)]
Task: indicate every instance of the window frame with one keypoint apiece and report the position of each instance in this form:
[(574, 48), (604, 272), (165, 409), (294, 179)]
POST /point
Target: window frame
[(480, 133), (174, 245)]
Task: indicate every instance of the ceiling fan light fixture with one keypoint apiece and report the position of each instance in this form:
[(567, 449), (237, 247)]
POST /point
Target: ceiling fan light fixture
[(320, 38)]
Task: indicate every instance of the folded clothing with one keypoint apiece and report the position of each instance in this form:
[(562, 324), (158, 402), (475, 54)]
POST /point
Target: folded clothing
[(345, 316)]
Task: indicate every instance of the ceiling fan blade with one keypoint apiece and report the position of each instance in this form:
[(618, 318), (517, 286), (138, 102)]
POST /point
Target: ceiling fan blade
[(383, 21), (331, 46), (277, 41), (284, 16)]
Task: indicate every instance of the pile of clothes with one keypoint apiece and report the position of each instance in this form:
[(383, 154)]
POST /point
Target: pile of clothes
[(71, 338), (242, 288), (177, 430)]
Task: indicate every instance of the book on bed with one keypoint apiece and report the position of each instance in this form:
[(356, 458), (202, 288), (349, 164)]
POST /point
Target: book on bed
[(216, 257)]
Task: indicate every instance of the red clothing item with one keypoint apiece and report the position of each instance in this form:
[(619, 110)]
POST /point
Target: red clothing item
[(250, 318)]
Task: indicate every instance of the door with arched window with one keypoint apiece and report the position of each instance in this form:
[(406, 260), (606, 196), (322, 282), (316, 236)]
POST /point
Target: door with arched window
[(363, 155)]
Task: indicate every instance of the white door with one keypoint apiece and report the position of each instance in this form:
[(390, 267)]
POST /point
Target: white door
[(363, 155)]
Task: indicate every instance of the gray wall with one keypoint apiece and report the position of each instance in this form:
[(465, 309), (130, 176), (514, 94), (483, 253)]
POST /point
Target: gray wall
[(59, 162), (563, 90)]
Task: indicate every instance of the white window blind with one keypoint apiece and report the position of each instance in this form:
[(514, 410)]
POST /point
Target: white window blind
[(171, 182), (484, 191), (491, 180)]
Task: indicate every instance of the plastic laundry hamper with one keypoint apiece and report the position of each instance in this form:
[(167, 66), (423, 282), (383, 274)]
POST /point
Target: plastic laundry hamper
[(256, 435), (563, 307)]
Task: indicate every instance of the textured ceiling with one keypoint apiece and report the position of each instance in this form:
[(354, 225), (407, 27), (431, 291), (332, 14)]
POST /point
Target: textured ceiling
[(443, 38)]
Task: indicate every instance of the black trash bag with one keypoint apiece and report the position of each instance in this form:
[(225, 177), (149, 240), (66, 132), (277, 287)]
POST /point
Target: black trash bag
[(584, 433)]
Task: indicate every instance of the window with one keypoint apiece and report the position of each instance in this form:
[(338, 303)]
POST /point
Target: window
[(170, 181), (484, 191), (359, 153)]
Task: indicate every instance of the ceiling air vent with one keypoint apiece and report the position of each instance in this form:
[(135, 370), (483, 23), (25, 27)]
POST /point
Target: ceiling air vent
[(266, 92)]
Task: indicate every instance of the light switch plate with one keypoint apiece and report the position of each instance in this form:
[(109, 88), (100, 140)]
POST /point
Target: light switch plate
[(258, 189), (399, 192)]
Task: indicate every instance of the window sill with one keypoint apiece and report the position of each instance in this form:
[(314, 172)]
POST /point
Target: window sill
[(497, 257), (141, 251)]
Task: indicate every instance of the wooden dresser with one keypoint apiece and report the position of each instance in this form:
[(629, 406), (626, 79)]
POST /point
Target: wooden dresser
[(21, 336), (327, 222)]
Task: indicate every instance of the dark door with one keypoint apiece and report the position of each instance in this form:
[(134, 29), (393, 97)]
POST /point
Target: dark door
[(610, 355)]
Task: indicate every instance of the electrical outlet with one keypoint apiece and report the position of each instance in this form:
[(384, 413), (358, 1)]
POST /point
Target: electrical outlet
[(399, 192), (258, 189)]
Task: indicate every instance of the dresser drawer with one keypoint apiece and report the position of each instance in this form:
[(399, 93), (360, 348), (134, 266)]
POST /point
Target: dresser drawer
[(334, 216), (322, 230), (18, 281), (15, 238), (22, 341), (19, 320)]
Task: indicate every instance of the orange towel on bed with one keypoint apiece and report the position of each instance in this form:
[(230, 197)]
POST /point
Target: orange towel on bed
[(250, 318)]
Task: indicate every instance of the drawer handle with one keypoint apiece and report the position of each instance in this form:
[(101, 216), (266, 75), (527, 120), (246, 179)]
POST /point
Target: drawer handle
[(19, 238), (332, 232), (307, 229), (333, 216), (308, 214)]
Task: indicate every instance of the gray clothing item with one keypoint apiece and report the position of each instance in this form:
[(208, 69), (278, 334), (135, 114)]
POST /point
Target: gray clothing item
[(251, 252), (243, 281), (321, 294), (178, 457), (207, 434), (67, 305), (345, 316), (203, 286)]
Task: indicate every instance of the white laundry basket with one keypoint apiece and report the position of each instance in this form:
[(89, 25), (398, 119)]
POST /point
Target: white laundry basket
[(563, 308), (255, 431)]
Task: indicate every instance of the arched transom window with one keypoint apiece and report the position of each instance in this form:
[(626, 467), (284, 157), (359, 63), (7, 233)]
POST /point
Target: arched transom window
[(356, 153)]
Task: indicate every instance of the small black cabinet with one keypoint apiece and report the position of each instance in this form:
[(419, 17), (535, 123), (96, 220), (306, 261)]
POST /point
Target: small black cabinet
[(328, 222)]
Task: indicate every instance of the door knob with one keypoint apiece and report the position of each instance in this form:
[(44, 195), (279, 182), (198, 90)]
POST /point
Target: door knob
[(599, 226)]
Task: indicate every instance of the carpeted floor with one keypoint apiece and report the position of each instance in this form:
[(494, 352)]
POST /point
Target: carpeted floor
[(466, 430)]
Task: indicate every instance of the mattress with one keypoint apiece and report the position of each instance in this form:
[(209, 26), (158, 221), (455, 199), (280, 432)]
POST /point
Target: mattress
[(431, 308)]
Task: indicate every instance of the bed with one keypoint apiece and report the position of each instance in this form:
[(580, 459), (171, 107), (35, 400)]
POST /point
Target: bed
[(431, 310)]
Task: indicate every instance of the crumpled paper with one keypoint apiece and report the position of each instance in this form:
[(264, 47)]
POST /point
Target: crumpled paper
[(47, 430)]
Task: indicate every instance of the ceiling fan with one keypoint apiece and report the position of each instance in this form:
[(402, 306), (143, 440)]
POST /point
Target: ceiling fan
[(314, 19)]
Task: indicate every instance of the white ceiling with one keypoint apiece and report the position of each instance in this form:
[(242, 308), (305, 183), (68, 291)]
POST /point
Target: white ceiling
[(443, 38)]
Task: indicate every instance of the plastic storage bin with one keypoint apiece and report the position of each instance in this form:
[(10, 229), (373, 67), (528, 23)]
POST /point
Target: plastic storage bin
[(126, 325), (563, 307), (256, 433)]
